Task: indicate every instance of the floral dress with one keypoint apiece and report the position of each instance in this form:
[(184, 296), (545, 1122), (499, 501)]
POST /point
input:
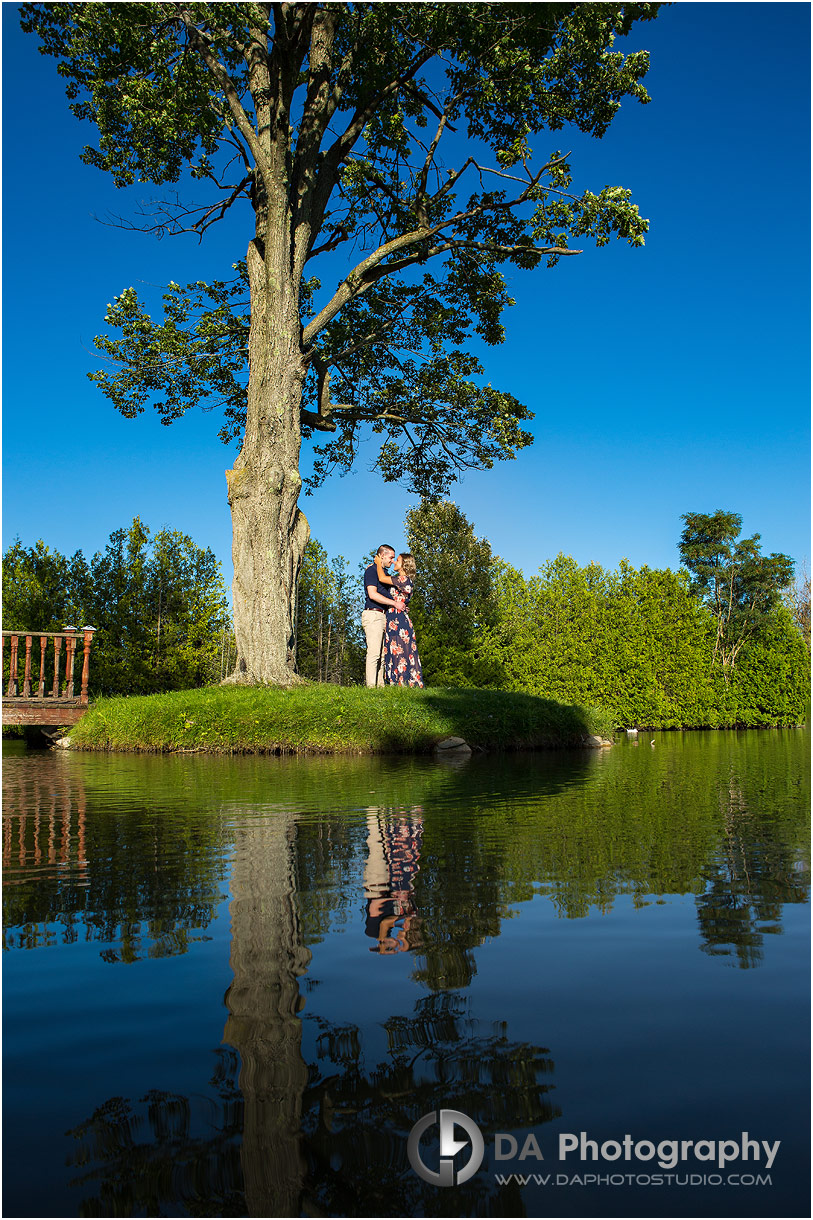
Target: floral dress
[(402, 665)]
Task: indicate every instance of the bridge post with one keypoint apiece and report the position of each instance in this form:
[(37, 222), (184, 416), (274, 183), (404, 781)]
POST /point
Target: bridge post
[(12, 667), (43, 643), (70, 653), (57, 650), (27, 675), (88, 631)]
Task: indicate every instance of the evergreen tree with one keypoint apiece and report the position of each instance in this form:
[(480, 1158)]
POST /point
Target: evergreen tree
[(453, 600), (161, 610), (44, 590), (329, 643), (158, 604)]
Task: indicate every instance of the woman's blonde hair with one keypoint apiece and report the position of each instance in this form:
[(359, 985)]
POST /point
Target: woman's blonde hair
[(408, 565)]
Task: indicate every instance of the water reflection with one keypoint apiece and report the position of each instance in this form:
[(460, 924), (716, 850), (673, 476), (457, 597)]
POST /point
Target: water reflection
[(130, 878), (393, 853), (358, 1119), (50, 828), (95, 853), (319, 1136), (307, 1104), (748, 879), (166, 1149), (268, 958)]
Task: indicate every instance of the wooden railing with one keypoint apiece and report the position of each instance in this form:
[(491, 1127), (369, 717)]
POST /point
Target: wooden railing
[(49, 674)]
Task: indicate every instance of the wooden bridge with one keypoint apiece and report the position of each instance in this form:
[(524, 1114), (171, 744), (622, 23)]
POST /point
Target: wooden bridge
[(48, 692)]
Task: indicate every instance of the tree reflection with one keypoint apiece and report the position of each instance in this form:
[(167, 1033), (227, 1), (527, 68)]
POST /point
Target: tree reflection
[(752, 876), (357, 1119), (164, 1150), (328, 1136), (145, 882), (268, 958)]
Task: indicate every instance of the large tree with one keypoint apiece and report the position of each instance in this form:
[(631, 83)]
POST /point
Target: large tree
[(740, 585), (394, 137)]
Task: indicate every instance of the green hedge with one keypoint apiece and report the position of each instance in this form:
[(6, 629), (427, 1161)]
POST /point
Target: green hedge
[(639, 643)]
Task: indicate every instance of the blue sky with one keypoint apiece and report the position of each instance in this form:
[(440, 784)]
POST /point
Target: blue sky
[(664, 380)]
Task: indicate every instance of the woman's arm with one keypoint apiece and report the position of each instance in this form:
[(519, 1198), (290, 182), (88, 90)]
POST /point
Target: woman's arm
[(382, 575), (397, 596)]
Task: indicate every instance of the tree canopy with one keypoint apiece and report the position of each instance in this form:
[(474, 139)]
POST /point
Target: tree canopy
[(363, 99), (739, 584)]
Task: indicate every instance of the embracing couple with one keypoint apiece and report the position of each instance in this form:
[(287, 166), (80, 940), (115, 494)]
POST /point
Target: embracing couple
[(392, 654)]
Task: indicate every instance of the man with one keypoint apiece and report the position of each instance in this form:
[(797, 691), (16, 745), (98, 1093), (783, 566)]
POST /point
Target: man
[(374, 617)]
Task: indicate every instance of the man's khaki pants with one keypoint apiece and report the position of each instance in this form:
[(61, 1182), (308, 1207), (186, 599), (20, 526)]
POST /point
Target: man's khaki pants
[(374, 623)]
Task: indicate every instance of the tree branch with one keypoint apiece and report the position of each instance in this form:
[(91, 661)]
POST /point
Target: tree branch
[(370, 270), (319, 423), (221, 208), (341, 147), (315, 116), (202, 44), (331, 166), (174, 214), (420, 193), (462, 244), (346, 352), (358, 282)]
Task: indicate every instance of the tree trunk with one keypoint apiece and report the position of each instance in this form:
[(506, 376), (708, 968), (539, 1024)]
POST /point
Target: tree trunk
[(269, 531), (319, 640)]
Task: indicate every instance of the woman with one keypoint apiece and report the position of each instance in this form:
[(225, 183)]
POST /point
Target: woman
[(402, 665)]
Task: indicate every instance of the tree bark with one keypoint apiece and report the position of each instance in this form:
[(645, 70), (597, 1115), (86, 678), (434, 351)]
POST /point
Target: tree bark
[(269, 531)]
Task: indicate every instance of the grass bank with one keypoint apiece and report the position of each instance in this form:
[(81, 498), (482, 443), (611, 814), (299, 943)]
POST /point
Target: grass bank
[(332, 719)]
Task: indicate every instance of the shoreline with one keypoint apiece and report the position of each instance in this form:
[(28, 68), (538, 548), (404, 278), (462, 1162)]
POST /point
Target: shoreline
[(327, 719), (324, 719)]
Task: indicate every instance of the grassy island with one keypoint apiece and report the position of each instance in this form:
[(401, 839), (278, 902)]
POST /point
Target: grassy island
[(322, 718)]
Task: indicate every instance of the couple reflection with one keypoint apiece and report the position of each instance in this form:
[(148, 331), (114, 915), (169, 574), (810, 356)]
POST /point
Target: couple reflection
[(393, 851)]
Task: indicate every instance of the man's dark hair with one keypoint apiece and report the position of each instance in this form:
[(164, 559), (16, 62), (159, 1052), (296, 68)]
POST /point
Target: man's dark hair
[(385, 546)]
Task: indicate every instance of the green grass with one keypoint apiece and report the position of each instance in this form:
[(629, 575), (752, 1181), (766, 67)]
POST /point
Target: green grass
[(332, 719)]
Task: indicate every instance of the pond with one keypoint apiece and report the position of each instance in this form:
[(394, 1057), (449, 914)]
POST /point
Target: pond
[(234, 986)]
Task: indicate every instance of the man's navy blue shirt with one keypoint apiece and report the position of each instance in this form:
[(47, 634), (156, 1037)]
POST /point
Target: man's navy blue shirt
[(371, 578)]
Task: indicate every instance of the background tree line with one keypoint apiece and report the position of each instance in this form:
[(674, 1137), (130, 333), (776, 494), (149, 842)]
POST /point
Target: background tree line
[(725, 640), (158, 603)]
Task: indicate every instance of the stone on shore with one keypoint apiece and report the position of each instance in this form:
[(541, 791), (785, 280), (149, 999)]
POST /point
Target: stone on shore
[(452, 747)]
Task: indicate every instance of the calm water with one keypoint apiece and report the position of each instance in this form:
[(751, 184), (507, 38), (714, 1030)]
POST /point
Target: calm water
[(232, 987)]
